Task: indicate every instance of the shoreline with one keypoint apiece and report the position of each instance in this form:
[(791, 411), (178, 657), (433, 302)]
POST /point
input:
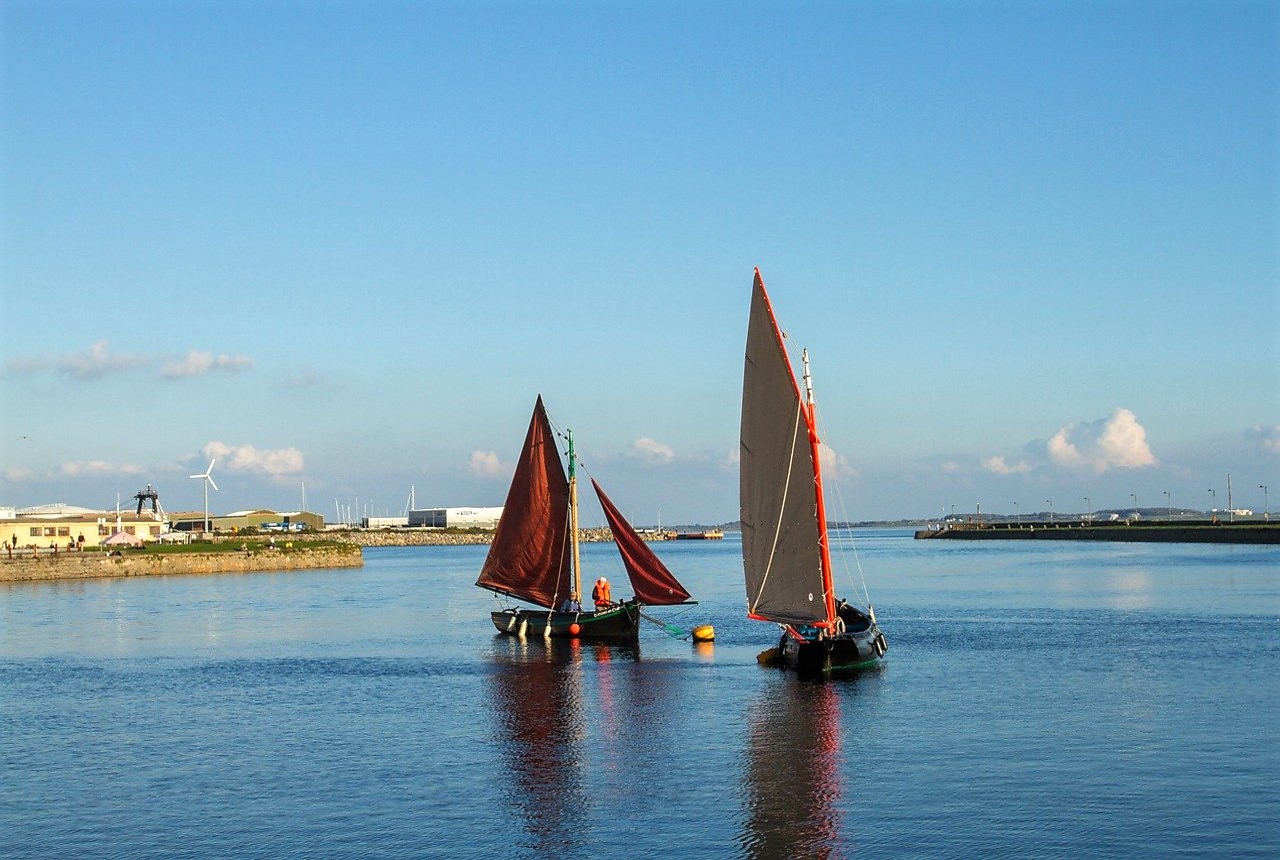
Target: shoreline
[(295, 552), (49, 567), (1121, 532)]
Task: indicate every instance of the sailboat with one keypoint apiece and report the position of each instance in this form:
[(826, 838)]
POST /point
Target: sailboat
[(535, 557), (786, 554)]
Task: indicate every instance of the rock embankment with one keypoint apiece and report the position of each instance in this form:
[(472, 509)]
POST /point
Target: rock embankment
[(438, 537), (91, 565)]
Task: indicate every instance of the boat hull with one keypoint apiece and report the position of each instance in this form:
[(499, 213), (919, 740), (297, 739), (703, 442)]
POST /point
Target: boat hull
[(620, 624), (811, 656)]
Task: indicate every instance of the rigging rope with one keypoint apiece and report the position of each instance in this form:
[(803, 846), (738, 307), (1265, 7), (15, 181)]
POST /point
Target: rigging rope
[(670, 629), (844, 561)]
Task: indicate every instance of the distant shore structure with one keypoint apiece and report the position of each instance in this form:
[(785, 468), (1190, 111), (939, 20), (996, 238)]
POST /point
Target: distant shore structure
[(1126, 531), (706, 534)]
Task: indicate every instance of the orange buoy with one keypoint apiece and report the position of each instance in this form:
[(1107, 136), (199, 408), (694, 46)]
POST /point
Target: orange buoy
[(574, 629)]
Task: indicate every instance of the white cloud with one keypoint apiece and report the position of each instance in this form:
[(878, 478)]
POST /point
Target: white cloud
[(99, 360), (834, 464), (98, 468), (732, 460), (651, 451), (487, 465), (1115, 442), (96, 361), (247, 458), (196, 362), (1266, 438), (19, 475), (998, 466), (950, 467)]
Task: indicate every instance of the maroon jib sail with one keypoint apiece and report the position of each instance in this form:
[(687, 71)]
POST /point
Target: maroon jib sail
[(653, 583)]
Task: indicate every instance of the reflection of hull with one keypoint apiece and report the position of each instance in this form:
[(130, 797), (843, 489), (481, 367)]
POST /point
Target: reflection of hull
[(797, 774), (619, 623), (809, 655)]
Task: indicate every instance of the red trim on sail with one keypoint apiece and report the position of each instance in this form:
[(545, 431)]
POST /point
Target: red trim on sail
[(528, 557), (653, 583), (811, 419), (777, 335)]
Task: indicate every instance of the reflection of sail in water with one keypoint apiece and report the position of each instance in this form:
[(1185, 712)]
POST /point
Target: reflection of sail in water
[(538, 704), (793, 780)]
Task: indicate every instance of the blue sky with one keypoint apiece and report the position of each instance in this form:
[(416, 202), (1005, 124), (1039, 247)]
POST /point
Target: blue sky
[(1033, 249)]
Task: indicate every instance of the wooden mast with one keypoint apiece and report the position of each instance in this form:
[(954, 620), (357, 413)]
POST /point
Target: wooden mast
[(828, 590), (573, 520)]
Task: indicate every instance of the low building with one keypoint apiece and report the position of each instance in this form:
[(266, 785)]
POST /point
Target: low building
[(384, 522), (261, 519), (46, 530), (455, 518)]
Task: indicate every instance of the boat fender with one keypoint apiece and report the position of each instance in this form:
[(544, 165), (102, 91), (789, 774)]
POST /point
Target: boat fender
[(546, 630), (574, 629), (524, 627), (772, 658), (511, 622)]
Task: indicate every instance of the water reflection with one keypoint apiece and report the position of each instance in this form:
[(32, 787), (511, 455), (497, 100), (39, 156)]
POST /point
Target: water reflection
[(792, 777), (539, 702)]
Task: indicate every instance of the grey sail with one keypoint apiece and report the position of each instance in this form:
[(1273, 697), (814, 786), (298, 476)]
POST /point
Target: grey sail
[(781, 549)]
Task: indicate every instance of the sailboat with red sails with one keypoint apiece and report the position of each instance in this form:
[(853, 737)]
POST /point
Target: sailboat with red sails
[(786, 553), (535, 556)]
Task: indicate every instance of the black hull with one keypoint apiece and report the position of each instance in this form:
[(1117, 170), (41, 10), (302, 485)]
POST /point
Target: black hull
[(620, 624), (844, 654)]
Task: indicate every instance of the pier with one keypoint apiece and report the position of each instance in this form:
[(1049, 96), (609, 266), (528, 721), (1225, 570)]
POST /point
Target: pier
[(1170, 531)]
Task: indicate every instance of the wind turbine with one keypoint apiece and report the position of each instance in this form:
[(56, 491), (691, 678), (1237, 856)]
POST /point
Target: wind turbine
[(207, 477)]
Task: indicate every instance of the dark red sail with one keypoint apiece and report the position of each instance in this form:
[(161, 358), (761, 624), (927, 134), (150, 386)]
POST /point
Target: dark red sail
[(654, 584), (528, 557)]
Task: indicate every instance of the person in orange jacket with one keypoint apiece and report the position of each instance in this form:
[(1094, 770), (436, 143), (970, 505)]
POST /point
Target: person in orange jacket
[(600, 594)]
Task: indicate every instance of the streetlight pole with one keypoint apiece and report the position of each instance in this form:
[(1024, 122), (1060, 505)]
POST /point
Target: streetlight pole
[(1169, 503), (1134, 496), (1049, 502), (1266, 504), (1088, 514)]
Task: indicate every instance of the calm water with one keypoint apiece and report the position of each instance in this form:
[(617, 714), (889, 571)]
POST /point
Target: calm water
[(1039, 700)]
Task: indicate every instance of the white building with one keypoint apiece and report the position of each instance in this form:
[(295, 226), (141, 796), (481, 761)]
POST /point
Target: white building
[(455, 518)]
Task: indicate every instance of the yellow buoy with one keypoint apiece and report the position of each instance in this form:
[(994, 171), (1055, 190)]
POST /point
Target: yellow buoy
[(704, 633)]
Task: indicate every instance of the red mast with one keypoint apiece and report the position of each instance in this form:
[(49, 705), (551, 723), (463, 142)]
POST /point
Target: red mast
[(811, 415)]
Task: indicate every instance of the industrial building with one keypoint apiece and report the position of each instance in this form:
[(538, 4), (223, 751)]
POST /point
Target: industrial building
[(261, 519), (455, 518)]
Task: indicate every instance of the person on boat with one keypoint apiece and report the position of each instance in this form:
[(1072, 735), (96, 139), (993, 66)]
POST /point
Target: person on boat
[(601, 595), (571, 603)]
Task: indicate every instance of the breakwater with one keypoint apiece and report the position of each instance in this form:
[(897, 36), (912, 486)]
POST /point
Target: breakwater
[(91, 565), (1132, 532), (431, 537)]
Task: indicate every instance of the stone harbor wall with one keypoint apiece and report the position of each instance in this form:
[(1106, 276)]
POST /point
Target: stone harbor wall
[(89, 565), (438, 537)]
